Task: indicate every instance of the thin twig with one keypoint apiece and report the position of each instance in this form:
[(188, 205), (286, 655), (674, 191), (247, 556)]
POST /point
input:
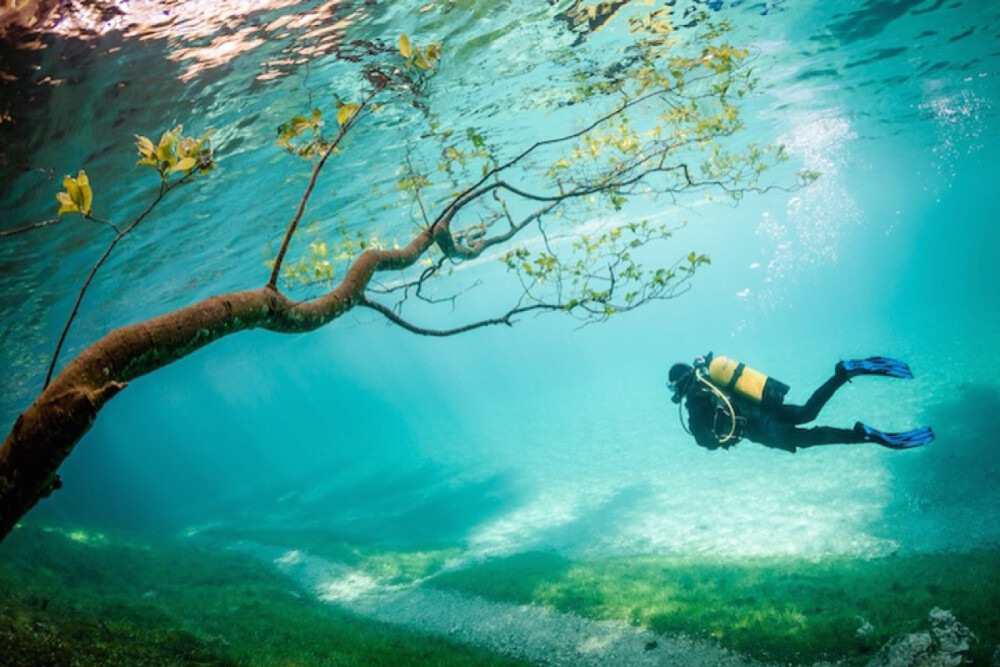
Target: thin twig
[(506, 319), (294, 222), (416, 193), (27, 228), (164, 188), (471, 193), (102, 221)]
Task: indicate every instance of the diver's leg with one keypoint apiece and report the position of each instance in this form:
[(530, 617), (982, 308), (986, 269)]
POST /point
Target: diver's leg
[(800, 414), (801, 438), (783, 435)]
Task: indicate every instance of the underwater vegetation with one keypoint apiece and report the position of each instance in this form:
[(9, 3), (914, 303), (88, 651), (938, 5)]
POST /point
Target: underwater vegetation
[(87, 598), (388, 562), (775, 609), (73, 597)]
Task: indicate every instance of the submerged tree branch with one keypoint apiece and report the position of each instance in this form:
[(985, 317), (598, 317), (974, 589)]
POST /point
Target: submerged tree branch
[(50, 427)]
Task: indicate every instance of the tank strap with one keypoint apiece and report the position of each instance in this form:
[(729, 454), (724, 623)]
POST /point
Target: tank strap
[(736, 376), (731, 435)]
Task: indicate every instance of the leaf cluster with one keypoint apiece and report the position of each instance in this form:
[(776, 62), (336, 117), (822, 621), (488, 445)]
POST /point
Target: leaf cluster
[(77, 197), (318, 263), (175, 152), (597, 275), (313, 267), (314, 144), (746, 164), (656, 22), (425, 58)]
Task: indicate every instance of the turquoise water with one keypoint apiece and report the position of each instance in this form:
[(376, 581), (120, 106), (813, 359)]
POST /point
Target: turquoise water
[(545, 436)]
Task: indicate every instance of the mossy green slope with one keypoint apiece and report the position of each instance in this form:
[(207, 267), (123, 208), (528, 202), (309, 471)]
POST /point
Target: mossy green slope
[(787, 610), (84, 599), (81, 598)]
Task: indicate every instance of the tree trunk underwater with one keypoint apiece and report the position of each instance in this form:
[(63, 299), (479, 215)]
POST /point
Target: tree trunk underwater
[(46, 432)]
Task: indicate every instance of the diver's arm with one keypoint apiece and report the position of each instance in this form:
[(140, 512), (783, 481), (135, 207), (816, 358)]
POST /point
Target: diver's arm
[(701, 419)]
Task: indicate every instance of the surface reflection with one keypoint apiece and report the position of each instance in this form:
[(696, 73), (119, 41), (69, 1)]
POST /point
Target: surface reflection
[(203, 34)]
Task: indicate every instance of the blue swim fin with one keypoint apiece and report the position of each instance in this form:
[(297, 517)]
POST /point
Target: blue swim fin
[(903, 440), (876, 366)]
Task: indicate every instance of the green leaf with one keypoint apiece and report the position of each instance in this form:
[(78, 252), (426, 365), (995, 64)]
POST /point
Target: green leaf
[(346, 111), (404, 45), (432, 53), (208, 133), (73, 190), (86, 194), (77, 196), (165, 147), (185, 164), (477, 139), (145, 146), (66, 203)]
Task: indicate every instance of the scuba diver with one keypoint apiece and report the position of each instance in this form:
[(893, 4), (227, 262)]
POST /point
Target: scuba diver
[(728, 401)]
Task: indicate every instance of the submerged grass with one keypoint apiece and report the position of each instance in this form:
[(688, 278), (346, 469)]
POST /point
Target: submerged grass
[(73, 597), (385, 562), (792, 611)]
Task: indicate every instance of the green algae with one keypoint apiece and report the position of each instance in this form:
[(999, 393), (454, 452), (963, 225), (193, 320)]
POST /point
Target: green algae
[(781, 609), (73, 597), (386, 562)]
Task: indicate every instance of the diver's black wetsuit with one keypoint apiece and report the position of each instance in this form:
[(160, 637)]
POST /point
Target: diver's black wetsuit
[(773, 426)]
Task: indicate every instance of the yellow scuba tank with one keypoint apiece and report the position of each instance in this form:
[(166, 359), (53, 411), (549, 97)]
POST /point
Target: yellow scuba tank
[(733, 376)]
